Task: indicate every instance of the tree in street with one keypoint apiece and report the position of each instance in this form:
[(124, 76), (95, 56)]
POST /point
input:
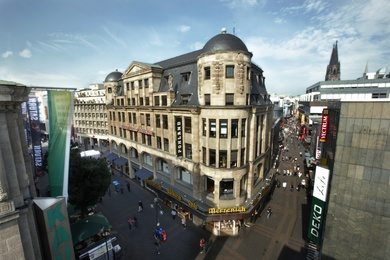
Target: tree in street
[(89, 179)]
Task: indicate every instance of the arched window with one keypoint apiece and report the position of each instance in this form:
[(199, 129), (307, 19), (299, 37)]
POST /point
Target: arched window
[(162, 166)]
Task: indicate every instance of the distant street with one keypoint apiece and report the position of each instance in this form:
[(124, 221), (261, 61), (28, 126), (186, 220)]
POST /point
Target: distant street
[(279, 237)]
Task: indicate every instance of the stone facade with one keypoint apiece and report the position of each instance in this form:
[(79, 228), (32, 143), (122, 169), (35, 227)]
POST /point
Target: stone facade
[(358, 217), (18, 235)]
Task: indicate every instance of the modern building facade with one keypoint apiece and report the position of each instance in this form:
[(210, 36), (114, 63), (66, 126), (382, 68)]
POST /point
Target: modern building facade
[(356, 153), (197, 130), (90, 118)]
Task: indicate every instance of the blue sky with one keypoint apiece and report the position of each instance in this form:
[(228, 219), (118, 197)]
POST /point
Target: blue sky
[(73, 43)]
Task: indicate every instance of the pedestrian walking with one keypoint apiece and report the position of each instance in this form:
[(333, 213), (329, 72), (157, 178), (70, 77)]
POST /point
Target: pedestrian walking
[(183, 222), (202, 245), (130, 223), (269, 212), (128, 186), (135, 222), (173, 213), (140, 206)]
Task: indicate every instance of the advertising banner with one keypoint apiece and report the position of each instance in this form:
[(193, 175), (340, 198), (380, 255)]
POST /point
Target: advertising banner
[(324, 126), (35, 133), (60, 105), (318, 208), (179, 137)]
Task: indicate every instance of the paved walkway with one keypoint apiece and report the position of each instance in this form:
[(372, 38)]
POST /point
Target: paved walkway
[(279, 237)]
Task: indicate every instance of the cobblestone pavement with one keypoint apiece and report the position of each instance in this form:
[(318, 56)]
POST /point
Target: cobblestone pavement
[(279, 237)]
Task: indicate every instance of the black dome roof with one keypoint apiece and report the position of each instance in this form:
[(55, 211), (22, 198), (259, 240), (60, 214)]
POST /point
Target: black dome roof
[(113, 76), (225, 42)]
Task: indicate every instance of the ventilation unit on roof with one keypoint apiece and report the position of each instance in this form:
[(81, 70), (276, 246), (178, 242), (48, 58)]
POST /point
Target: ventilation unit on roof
[(223, 30)]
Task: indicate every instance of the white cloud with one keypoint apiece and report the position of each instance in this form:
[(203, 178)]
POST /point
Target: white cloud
[(243, 3), (183, 28), (25, 53), (116, 39), (7, 54), (308, 6), (279, 20)]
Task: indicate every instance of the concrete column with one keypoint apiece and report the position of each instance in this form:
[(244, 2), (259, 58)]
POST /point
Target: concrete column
[(216, 191), (236, 189)]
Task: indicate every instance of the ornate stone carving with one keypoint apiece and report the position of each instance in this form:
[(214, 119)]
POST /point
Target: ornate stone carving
[(3, 193), (217, 73), (170, 82), (241, 77)]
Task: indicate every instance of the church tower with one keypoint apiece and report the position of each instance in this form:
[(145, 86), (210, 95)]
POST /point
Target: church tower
[(333, 69)]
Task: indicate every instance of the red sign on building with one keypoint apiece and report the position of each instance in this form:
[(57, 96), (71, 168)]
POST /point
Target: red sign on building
[(324, 126)]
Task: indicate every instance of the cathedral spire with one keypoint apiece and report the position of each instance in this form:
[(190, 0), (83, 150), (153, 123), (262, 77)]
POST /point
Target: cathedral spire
[(333, 69)]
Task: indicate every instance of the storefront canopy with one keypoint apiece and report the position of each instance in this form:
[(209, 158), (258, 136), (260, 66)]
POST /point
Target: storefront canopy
[(111, 156), (143, 174), (120, 161), (88, 227)]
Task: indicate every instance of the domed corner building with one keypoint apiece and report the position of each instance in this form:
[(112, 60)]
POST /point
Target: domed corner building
[(196, 128)]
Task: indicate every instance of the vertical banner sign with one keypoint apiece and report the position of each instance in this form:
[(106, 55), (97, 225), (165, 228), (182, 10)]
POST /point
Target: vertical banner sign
[(60, 105), (317, 216), (35, 132), (179, 137), (324, 126)]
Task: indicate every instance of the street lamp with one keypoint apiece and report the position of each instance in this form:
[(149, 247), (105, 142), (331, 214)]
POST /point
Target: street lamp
[(156, 205)]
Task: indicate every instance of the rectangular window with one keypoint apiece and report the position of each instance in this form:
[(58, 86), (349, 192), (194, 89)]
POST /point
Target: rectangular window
[(223, 128), (379, 95), (149, 140), (185, 98), (140, 83), (207, 99), (113, 116), (128, 101), (159, 146), (213, 128), (204, 127), (146, 101), (185, 76), (229, 99), (133, 102), (222, 159), (188, 149), (134, 118), (207, 73), (141, 101), (146, 83), (204, 155), (248, 73), (212, 157), (132, 85), (242, 160), (184, 176), (243, 130), (127, 86), (233, 158), (234, 128), (158, 122), (166, 144), (157, 101), (123, 117), (143, 139), (129, 117), (142, 119), (187, 124), (148, 119), (164, 101), (165, 121), (229, 71)]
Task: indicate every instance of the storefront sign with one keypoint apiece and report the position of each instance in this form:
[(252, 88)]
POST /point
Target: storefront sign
[(173, 194), (192, 204), (317, 215), (226, 210), (179, 137), (318, 149), (153, 184), (324, 126)]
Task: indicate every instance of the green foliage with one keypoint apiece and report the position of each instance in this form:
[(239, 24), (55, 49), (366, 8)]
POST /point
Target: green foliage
[(89, 179)]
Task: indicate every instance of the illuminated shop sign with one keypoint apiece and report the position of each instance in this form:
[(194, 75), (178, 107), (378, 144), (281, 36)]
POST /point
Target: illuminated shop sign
[(324, 126), (227, 210), (179, 137)]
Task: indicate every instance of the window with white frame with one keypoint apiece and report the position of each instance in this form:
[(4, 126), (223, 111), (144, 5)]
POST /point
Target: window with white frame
[(184, 175)]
